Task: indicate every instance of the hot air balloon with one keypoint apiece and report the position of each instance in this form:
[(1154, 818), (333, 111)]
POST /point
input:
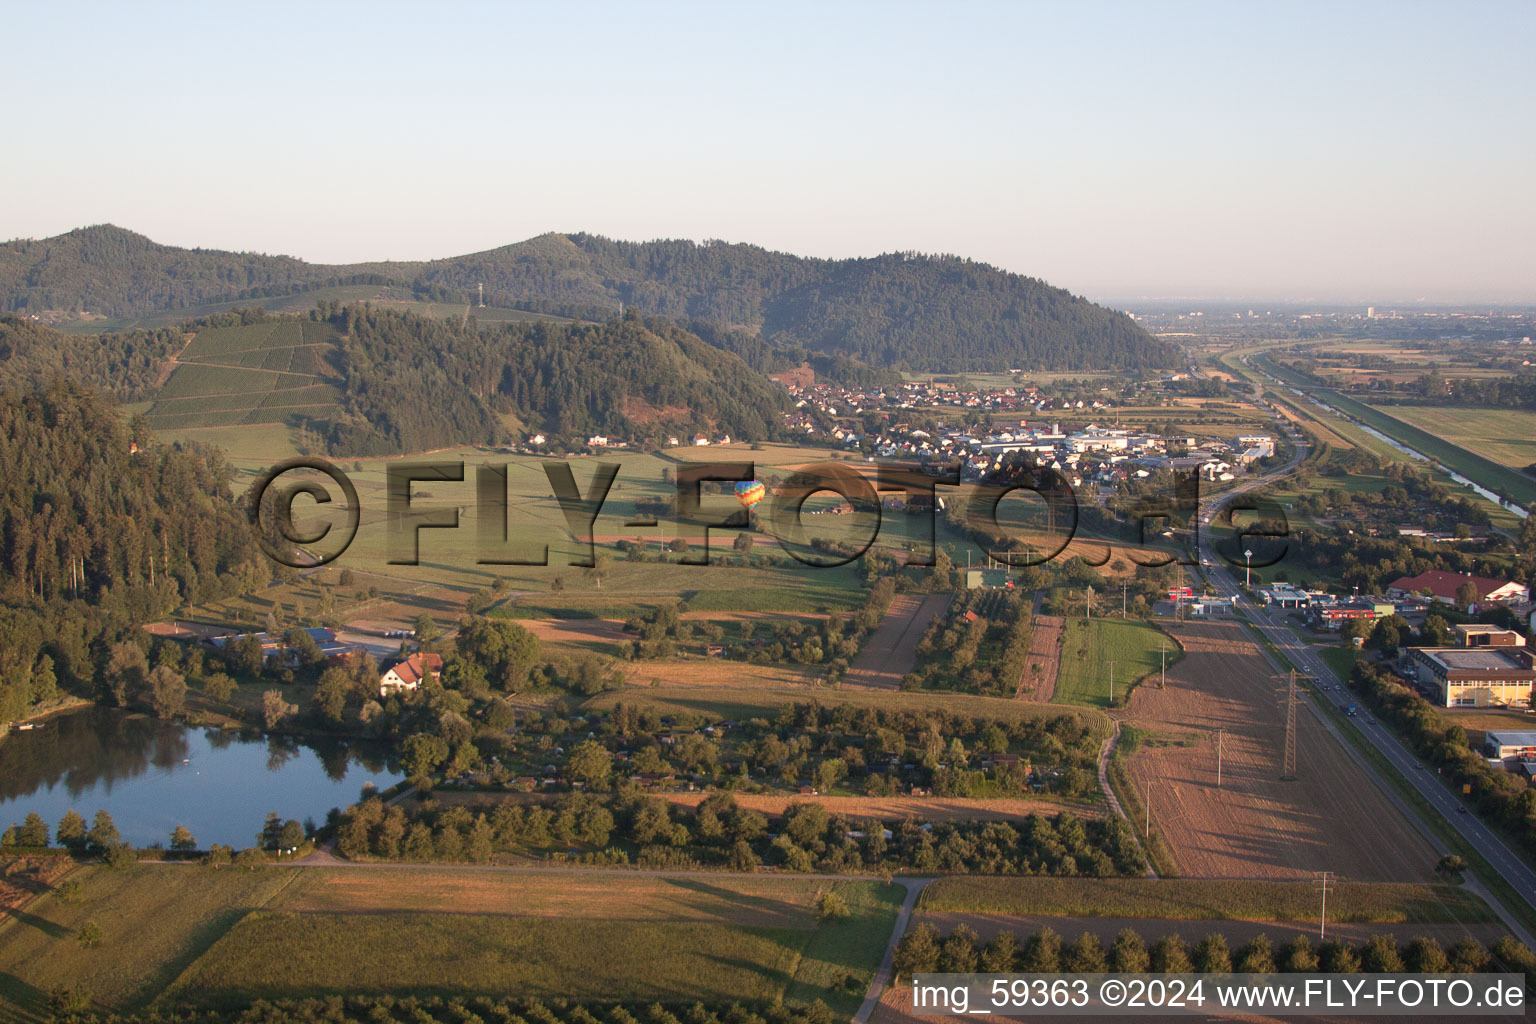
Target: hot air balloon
[(749, 493)]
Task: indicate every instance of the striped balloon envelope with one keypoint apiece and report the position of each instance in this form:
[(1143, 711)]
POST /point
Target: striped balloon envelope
[(749, 492)]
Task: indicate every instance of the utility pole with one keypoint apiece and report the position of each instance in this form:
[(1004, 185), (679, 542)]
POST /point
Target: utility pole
[(1124, 589), (1088, 603), (1163, 685), (1324, 881), (1111, 681), (1147, 835), (1219, 737)]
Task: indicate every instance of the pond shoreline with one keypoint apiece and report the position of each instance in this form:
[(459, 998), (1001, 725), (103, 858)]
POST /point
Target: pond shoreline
[(70, 703)]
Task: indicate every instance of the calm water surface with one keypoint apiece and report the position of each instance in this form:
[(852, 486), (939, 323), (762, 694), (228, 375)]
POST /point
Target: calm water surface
[(153, 775)]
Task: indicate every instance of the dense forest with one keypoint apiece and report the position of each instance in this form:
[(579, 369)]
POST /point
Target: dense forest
[(128, 364), (101, 528), (414, 383), (899, 310)]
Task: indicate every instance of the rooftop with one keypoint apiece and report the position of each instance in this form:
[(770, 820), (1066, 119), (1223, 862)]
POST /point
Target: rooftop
[(1510, 739), (1476, 659)]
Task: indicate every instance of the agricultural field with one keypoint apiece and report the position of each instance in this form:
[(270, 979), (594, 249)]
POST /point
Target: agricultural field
[(1039, 682), (1089, 647), (1507, 436), (277, 372), (176, 934), (1255, 825), (891, 650)]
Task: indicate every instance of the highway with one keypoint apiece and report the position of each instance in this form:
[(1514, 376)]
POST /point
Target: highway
[(1307, 661)]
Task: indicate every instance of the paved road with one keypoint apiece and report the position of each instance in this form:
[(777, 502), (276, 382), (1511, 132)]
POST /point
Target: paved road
[(882, 978), (1308, 661)]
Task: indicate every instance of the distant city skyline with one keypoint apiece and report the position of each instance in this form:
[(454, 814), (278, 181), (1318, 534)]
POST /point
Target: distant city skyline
[(1370, 154)]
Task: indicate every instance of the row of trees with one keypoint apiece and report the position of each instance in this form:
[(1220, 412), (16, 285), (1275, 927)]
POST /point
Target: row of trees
[(71, 1004), (721, 833), (925, 950)]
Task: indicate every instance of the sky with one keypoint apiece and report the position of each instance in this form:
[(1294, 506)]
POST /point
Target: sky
[(1371, 152)]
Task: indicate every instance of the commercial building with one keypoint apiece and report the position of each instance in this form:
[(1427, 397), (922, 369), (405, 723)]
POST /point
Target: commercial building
[(1334, 616), (1503, 744), (1477, 634), (1476, 676), (1283, 595)]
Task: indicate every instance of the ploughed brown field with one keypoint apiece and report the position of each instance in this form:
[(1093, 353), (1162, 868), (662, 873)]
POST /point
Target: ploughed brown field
[(1039, 683), (891, 650), (1333, 817)]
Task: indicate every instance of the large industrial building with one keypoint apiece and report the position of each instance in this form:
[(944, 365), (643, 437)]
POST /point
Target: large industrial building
[(1475, 676)]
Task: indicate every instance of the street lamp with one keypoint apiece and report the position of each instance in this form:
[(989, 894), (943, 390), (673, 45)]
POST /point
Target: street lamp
[(1248, 569)]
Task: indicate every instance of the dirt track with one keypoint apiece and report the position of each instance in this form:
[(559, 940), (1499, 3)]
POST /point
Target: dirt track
[(1333, 817), (1039, 682), (891, 650)]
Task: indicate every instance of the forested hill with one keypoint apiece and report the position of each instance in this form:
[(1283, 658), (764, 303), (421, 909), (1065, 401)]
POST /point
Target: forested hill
[(413, 383), (901, 310), (101, 528), (898, 310)]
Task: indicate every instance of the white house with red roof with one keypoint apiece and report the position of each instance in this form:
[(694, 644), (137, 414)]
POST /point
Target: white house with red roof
[(408, 674)]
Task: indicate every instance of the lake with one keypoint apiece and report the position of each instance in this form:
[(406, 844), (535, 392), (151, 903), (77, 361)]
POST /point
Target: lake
[(152, 775)]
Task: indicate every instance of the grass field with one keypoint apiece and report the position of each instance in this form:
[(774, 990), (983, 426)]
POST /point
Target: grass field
[(731, 702), (1246, 900), (1088, 648), (275, 955), (1507, 436), (173, 934), (154, 921)]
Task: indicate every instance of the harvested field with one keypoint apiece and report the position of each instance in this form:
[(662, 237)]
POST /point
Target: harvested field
[(896, 808), (1333, 817), (891, 651), (596, 635), (758, 903), (1039, 682)]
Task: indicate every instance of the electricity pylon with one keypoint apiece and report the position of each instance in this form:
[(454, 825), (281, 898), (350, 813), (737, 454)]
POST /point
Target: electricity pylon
[(1288, 768)]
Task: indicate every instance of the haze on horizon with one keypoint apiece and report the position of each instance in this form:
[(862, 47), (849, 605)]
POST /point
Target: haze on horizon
[(1379, 153)]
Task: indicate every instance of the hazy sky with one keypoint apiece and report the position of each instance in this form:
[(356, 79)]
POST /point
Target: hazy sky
[(1373, 152)]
